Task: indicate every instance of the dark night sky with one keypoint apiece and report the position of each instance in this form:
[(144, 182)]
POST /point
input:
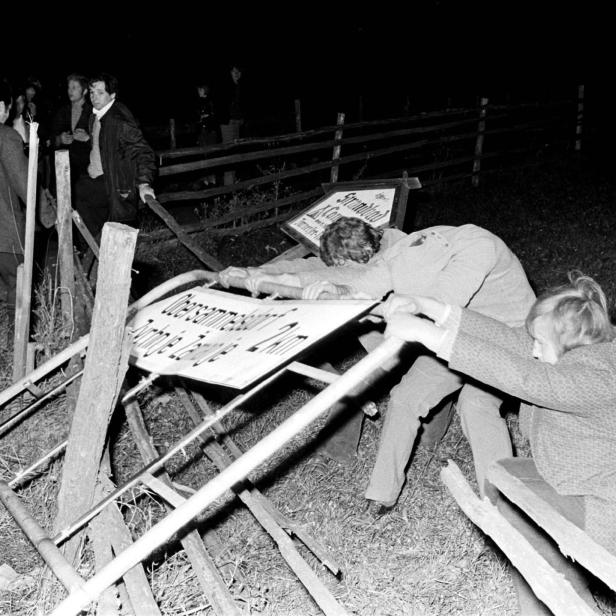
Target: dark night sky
[(321, 51)]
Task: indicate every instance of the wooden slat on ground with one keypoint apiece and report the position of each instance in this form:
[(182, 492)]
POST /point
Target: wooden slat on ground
[(212, 584), (266, 514), (548, 584)]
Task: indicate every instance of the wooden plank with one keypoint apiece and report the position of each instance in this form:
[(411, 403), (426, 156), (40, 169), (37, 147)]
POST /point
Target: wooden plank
[(247, 211), (376, 124), (547, 584), (572, 540), (212, 584), (205, 258), (105, 366), (65, 235), (137, 586), (268, 179), (22, 325)]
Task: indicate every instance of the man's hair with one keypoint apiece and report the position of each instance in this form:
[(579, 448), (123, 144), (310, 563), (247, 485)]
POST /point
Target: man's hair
[(578, 311), (81, 79), (349, 239), (6, 92), (111, 82)]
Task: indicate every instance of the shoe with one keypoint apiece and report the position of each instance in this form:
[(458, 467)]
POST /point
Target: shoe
[(376, 509)]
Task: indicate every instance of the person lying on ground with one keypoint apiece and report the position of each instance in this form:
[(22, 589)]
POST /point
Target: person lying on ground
[(568, 396), (465, 265)]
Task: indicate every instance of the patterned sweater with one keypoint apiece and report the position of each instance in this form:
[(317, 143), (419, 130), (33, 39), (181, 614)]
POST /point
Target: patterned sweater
[(568, 410), (465, 266)]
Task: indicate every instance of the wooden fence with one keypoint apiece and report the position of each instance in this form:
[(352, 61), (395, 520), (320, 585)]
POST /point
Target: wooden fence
[(276, 176)]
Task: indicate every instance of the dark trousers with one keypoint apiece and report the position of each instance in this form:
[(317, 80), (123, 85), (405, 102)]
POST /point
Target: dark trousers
[(92, 204), (8, 278)]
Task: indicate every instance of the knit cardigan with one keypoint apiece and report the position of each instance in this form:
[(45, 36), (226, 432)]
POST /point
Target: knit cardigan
[(568, 409)]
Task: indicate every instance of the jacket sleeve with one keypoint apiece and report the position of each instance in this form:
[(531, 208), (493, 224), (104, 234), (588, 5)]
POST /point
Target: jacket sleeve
[(582, 381), (15, 164), (294, 266), (137, 149)]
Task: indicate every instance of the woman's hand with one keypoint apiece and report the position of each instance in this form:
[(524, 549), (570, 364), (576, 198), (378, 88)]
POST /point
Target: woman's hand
[(428, 306)]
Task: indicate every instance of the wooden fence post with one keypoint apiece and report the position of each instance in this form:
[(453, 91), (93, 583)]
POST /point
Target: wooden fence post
[(106, 364), (580, 119), (172, 141), (481, 127), (66, 263), (337, 145), (298, 115), (22, 320)]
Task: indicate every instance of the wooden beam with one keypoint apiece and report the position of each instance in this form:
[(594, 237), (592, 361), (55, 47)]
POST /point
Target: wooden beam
[(22, 326), (571, 539), (66, 263), (105, 367), (548, 584), (205, 258)]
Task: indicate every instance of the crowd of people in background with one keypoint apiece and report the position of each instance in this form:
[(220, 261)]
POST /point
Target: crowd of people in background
[(112, 165)]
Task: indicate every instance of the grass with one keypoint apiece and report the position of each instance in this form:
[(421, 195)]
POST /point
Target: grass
[(425, 557)]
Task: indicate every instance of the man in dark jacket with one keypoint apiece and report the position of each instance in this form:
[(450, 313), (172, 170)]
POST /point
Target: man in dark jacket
[(122, 164)]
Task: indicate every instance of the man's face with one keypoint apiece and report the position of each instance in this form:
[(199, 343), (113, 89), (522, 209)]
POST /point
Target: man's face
[(236, 74), (99, 95), (75, 91), (4, 112)]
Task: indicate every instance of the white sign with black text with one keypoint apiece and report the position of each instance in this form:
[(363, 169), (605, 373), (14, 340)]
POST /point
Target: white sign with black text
[(228, 339)]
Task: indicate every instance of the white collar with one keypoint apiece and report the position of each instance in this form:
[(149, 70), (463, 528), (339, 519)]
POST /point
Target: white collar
[(99, 113)]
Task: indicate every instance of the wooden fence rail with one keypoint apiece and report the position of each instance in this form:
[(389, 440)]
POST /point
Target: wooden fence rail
[(443, 146)]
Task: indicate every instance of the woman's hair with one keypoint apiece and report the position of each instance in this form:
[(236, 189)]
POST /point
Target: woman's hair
[(578, 310), (349, 239)]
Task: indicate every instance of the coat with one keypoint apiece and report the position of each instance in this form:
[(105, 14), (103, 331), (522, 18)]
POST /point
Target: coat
[(13, 188), (127, 160)]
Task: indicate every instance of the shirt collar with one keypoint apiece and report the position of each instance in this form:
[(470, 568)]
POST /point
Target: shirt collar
[(99, 113)]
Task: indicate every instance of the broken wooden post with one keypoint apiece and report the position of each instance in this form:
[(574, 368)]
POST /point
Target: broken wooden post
[(337, 146), (22, 325), (550, 586), (481, 129), (65, 235), (105, 366)]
